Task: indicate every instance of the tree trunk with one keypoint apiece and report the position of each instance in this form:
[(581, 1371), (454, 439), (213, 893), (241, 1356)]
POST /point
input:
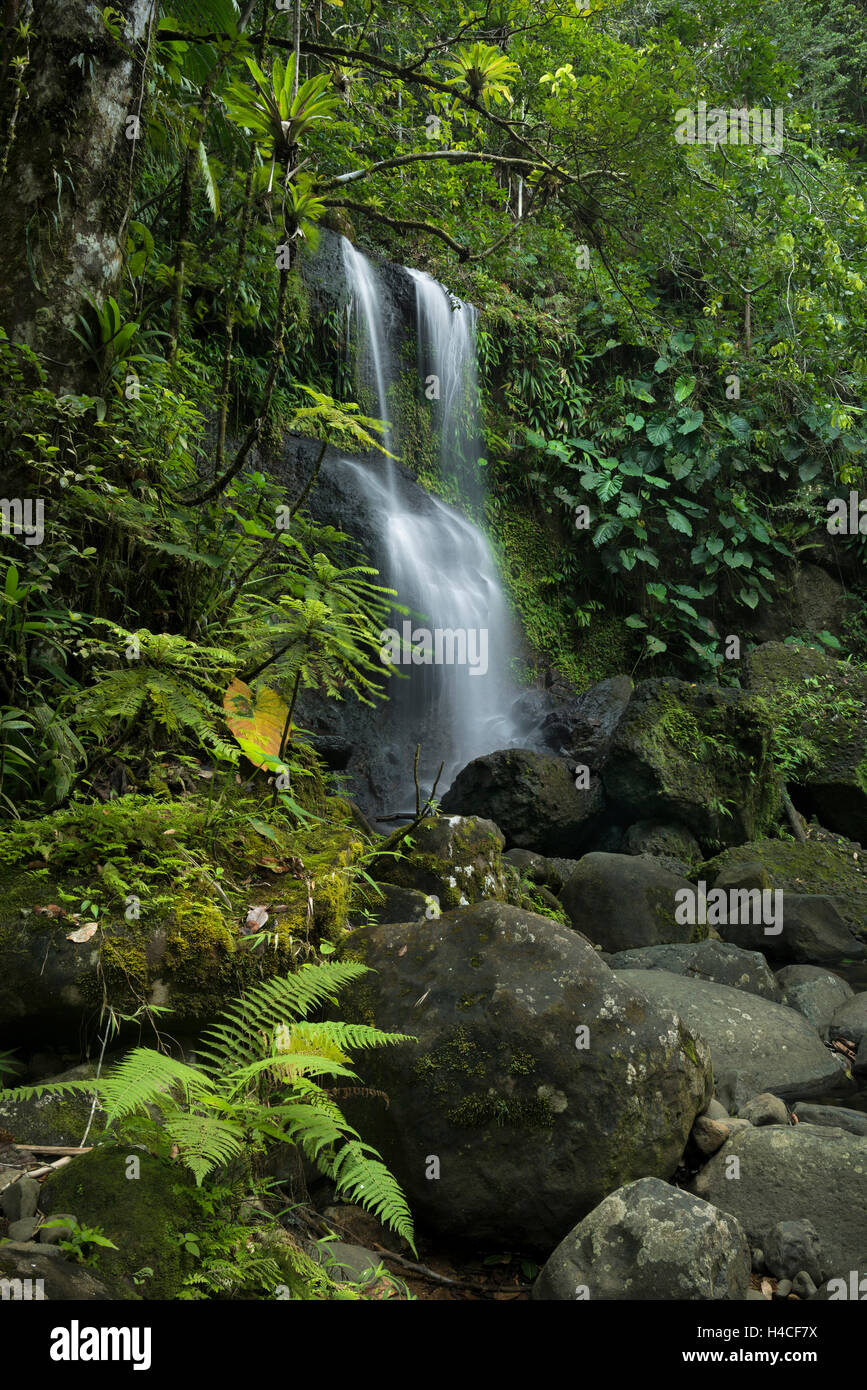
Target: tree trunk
[(64, 203)]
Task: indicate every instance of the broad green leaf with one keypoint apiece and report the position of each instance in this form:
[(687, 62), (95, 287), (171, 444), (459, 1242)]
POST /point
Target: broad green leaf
[(678, 522)]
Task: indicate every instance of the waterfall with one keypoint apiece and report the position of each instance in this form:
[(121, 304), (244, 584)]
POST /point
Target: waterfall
[(447, 363), (437, 559)]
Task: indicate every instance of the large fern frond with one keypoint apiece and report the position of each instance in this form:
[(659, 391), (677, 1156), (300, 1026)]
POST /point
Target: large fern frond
[(238, 1038)]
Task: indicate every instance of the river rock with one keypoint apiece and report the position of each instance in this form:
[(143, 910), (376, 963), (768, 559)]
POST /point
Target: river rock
[(850, 1020), (649, 1241), (24, 1229), (708, 1135), (681, 752), (53, 1235), (531, 796), (765, 1109), (793, 1173), (455, 859), (24, 1263), (838, 872), (393, 904), (20, 1199), (835, 1116), (756, 1045), (581, 730), (621, 902), (809, 929), (523, 1128), (718, 961), (673, 845), (529, 865), (814, 992), (793, 1246)]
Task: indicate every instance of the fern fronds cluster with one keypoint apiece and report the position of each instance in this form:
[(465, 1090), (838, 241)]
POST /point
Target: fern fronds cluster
[(254, 1083)]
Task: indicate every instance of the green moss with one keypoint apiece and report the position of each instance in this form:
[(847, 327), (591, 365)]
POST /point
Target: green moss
[(478, 1112), (143, 1215), (467, 1001), (190, 872), (460, 1054), (522, 1064), (585, 648)]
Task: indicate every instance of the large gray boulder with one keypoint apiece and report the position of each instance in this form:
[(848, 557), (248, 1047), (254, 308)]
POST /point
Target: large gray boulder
[(814, 992), (698, 755), (755, 1044), (808, 927), (794, 1173), (717, 961), (622, 902), (531, 796), (649, 1241), (539, 1081), (39, 1273), (817, 868)]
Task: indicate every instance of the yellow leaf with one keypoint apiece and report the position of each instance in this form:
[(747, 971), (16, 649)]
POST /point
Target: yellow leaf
[(257, 722)]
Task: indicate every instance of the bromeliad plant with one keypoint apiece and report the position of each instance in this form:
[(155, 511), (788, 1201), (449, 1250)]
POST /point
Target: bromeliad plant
[(278, 111), (257, 1082)]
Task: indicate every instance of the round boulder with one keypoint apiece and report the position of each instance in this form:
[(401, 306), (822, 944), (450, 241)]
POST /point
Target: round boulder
[(814, 992), (532, 797), (538, 1081), (622, 902), (649, 1241)]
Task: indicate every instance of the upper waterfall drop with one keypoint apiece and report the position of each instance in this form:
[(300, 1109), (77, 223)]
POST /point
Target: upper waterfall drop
[(458, 643), (447, 364)]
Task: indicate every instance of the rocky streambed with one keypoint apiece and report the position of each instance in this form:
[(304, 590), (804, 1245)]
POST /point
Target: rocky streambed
[(638, 1010)]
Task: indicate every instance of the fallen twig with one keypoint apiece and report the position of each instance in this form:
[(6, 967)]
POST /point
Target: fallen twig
[(49, 1168), (53, 1148), (431, 1274)]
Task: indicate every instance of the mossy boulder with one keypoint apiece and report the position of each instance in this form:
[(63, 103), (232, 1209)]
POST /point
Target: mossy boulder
[(820, 704), (674, 846), (815, 867), (171, 884), (142, 1214), (532, 797), (47, 1119), (697, 755), (454, 860), (538, 1084)]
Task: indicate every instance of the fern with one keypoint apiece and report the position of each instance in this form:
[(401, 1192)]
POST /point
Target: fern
[(254, 1083), (157, 675)]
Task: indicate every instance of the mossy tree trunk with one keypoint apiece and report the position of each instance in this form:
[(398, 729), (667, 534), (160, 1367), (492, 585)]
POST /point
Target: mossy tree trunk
[(71, 88)]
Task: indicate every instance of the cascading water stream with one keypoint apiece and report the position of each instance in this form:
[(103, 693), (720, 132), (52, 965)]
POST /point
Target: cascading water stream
[(438, 561)]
